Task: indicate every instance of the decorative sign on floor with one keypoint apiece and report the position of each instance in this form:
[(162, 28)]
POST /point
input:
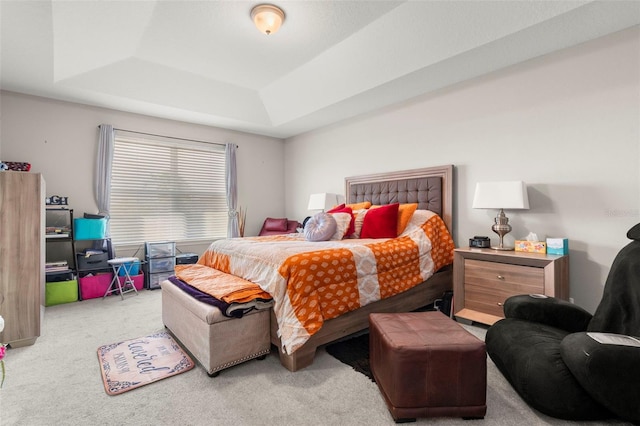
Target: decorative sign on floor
[(137, 362)]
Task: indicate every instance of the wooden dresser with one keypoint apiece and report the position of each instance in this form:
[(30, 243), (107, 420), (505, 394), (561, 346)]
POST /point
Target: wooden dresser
[(484, 278), (22, 256)]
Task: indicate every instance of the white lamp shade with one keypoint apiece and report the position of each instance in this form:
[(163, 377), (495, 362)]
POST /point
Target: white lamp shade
[(501, 195), (323, 201)]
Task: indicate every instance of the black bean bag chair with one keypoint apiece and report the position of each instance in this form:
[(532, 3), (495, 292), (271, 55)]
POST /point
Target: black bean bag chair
[(569, 364)]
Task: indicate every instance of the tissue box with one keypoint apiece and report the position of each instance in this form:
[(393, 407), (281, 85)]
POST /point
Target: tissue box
[(557, 246), (531, 246)]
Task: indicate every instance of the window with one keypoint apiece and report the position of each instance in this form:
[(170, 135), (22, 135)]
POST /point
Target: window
[(165, 189)]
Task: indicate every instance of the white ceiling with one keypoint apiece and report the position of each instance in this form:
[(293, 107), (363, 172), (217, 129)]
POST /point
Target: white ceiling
[(204, 61)]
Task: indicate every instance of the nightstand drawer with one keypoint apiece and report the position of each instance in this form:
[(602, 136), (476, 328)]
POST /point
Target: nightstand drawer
[(488, 300), (484, 278), (511, 279), (483, 300)]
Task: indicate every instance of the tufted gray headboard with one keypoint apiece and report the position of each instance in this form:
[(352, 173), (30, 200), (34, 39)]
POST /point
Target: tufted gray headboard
[(431, 188)]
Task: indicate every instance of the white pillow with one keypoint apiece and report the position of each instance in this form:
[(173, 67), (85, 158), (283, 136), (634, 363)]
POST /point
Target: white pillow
[(343, 220), (320, 227), (359, 214)]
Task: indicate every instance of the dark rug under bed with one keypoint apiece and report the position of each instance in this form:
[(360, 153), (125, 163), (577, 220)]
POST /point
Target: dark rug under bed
[(353, 352)]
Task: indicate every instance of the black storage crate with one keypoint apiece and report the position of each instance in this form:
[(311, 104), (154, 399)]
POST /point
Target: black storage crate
[(57, 276), (92, 261), (186, 258)]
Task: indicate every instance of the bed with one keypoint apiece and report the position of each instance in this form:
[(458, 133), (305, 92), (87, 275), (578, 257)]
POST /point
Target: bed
[(295, 330)]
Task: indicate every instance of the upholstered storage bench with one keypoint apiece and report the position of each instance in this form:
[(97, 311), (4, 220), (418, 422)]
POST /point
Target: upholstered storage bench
[(216, 341), (427, 365)]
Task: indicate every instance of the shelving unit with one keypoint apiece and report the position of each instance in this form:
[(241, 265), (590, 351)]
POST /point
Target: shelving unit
[(59, 240), (60, 276)]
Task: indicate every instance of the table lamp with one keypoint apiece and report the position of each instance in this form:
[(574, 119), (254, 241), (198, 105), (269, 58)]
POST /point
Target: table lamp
[(501, 195), (323, 201)]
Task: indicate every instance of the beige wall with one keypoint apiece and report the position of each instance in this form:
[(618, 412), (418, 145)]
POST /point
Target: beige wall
[(568, 124), (59, 139)]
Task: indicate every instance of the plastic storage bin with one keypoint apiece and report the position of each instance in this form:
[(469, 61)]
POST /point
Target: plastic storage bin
[(60, 292), (160, 249), (138, 281), (162, 264), (89, 229), (156, 279), (133, 268), (95, 285)]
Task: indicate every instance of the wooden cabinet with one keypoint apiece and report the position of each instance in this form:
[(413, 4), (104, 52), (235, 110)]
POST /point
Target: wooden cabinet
[(484, 278), (22, 256)]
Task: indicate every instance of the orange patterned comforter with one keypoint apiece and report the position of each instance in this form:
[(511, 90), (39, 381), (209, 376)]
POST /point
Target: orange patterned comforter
[(311, 282)]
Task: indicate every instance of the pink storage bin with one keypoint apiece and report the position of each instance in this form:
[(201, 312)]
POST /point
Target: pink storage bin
[(95, 286), (138, 281)]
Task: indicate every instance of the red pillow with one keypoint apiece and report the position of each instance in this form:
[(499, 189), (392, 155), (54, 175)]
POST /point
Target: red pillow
[(381, 222), (352, 225)]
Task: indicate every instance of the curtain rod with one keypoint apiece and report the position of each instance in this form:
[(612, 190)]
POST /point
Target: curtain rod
[(164, 136)]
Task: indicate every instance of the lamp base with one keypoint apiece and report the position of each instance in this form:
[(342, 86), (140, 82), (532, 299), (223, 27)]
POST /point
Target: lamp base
[(502, 228)]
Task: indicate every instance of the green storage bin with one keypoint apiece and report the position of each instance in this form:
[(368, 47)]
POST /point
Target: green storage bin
[(56, 293)]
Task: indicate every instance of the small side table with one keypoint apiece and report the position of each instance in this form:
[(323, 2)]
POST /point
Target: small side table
[(121, 264)]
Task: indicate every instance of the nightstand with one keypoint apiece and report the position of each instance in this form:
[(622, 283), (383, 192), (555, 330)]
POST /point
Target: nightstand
[(484, 278)]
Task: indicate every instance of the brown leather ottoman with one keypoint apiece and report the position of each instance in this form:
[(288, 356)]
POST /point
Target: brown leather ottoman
[(427, 365)]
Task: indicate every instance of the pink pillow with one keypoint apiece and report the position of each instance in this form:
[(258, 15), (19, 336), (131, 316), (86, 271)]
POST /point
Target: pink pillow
[(381, 222), (352, 225)]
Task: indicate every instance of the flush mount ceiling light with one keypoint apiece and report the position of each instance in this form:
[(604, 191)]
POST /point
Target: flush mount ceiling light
[(267, 17)]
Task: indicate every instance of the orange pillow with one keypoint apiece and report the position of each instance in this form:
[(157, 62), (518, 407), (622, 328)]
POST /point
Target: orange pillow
[(405, 212), (381, 222), (359, 206)]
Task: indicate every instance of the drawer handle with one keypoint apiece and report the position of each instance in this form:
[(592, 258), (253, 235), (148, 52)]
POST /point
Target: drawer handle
[(499, 303), (500, 277)]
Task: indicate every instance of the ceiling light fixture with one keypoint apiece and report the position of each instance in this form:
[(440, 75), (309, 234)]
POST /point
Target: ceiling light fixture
[(267, 17)]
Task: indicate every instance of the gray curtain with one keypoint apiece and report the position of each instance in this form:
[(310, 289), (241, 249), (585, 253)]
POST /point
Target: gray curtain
[(232, 191), (102, 181)]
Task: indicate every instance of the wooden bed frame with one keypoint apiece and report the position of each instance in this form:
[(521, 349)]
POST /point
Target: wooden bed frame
[(431, 188)]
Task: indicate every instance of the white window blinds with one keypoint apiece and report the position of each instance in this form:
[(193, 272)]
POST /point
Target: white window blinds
[(165, 189)]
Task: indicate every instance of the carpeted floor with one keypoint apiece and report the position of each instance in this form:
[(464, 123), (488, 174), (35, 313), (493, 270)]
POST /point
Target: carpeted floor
[(57, 382)]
